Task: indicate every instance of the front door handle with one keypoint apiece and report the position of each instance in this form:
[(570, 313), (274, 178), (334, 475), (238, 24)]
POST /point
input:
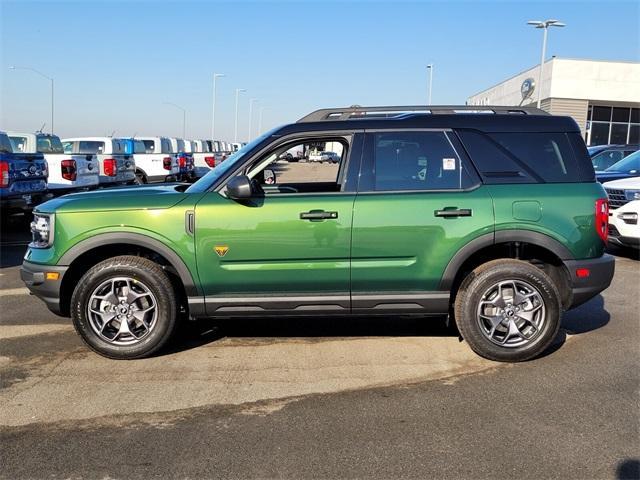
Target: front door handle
[(318, 215), (453, 212)]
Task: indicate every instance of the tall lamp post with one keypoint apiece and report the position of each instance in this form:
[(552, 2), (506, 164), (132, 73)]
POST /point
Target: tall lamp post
[(430, 68), (213, 105), (184, 117), (251, 102), (262, 109), (235, 130), (13, 67), (545, 26)]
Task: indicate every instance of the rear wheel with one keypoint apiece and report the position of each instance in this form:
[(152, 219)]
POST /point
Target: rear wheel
[(508, 310), (140, 179), (124, 308)]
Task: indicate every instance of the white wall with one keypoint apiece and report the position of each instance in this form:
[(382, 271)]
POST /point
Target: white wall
[(568, 78), (603, 81)]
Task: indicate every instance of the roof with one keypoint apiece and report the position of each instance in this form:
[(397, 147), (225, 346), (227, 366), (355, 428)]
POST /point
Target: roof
[(501, 119)]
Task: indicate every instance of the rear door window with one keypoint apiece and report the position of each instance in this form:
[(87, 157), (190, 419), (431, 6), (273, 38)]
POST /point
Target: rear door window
[(415, 160)]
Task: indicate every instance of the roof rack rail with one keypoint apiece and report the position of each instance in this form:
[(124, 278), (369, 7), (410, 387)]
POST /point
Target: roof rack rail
[(348, 113)]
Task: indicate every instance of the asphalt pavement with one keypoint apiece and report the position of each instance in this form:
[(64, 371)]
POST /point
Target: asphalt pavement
[(320, 398)]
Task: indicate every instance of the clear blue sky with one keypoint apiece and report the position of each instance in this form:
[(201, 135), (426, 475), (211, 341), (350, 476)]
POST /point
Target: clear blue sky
[(115, 63)]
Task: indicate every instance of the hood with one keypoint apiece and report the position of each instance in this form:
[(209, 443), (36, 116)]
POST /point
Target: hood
[(624, 183), (118, 198), (611, 175)]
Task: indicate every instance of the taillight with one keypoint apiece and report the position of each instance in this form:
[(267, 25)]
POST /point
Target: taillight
[(182, 161), (211, 161), (110, 167), (602, 218), (166, 163), (69, 170), (4, 174)]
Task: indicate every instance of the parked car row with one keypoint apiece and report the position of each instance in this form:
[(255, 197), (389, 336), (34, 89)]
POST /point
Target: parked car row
[(38, 166), (613, 162)]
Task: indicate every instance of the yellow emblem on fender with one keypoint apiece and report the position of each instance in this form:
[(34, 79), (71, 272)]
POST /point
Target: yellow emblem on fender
[(221, 250)]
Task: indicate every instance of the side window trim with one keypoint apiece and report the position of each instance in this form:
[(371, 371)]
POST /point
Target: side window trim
[(366, 177)]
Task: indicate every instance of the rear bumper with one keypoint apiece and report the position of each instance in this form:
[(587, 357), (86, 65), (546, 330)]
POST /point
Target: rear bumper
[(20, 203), (600, 275), (34, 277)]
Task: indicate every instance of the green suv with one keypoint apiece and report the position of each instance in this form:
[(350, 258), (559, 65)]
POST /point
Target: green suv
[(492, 217)]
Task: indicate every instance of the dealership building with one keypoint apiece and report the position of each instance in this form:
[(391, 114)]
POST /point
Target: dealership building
[(603, 97)]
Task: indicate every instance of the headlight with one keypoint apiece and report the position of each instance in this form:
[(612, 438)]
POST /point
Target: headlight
[(42, 230), (632, 195)]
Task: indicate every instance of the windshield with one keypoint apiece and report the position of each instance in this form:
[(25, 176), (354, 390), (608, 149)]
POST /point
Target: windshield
[(627, 164), (229, 164)]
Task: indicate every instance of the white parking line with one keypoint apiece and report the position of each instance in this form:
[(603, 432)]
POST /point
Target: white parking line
[(14, 291)]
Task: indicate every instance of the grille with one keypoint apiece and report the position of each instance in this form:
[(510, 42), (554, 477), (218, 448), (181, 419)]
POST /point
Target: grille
[(617, 198)]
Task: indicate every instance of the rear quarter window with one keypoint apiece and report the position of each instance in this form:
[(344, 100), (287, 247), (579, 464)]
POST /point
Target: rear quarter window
[(549, 155)]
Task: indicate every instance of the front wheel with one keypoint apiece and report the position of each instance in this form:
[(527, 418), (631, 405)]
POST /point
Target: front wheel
[(508, 310), (124, 308)]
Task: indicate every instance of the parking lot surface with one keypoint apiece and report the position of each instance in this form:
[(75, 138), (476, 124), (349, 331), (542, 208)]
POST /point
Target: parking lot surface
[(314, 398)]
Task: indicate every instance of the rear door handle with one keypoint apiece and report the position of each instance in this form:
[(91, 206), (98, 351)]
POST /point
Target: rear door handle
[(318, 215), (453, 212)]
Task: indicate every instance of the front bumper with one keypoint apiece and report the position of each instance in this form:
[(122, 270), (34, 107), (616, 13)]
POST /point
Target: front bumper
[(624, 225), (600, 275), (35, 278)]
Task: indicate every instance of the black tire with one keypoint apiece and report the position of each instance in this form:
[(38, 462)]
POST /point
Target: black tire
[(481, 280), (140, 179), (153, 278)]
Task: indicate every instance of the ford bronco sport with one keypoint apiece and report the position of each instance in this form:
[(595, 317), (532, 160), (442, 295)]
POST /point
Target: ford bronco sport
[(492, 217)]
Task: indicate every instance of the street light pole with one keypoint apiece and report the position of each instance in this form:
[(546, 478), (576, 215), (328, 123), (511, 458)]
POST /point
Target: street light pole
[(251, 102), (235, 130), (213, 105), (430, 68), (13, 67), (184, 118), (260, 120), (545, 26)]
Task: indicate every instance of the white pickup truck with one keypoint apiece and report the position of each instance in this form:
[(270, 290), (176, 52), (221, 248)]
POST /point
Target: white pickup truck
[(116, 167), (154, 159), (203, 158), (66, 172)]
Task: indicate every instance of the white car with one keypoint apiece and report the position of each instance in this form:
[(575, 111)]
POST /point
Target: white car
[(155, 161), (116, 167), (67, 172), (624, 210), (324, 157)]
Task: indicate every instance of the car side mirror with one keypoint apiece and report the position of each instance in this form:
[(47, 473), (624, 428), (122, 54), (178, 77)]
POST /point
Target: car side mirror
[(239, 188)]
